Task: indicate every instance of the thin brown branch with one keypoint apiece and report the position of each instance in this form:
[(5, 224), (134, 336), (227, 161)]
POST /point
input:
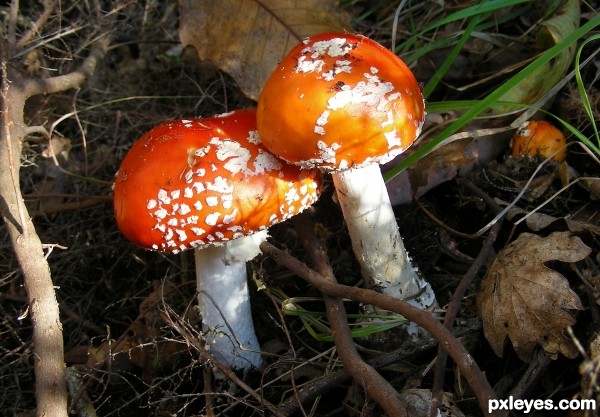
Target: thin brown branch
[(12, 125), (184, 329), (531, 376), (50, 374), (75, 79), (467, 365), (375, 385), (11, 40), (455, 303), (41, 20), (71, 206), (452, 311), (322, 385)]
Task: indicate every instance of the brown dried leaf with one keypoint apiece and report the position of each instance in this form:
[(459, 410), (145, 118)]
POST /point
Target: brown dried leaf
[(538, 221), (525, 300), (248, 38)]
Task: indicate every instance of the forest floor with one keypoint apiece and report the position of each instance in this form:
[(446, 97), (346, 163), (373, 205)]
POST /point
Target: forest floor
[(128, 315)]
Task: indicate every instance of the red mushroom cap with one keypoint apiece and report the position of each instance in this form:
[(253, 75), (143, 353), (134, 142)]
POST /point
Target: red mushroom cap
[(340, 101), (539, 138), (190, 183)]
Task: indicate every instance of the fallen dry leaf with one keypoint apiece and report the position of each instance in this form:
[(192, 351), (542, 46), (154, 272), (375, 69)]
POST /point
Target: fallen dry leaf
[(538, 221), (248, 38), (525, 300), (456, 158)]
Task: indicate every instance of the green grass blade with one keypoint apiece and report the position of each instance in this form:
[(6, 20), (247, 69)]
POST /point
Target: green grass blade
[(314, 322), (479, 9), (482, 8), (585, 101), (439, 74), (493, 97)]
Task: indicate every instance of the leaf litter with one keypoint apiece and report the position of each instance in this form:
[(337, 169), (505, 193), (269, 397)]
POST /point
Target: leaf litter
[(527, 302), (536, 300)]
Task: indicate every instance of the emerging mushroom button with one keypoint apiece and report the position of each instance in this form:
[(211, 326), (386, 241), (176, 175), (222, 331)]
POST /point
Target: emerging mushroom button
[(190, 183), (343, 101), (539, 138)]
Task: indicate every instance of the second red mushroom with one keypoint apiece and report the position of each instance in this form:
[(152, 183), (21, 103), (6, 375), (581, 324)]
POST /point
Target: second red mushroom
[(209, 185)]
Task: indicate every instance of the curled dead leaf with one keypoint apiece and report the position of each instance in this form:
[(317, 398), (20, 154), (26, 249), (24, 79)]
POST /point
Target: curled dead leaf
[(524, 300)]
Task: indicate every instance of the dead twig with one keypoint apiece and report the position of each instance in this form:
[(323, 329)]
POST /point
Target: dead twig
[(530, 378), (49, 7), (375, 385), (319, 386), (70, 206), (188, 333), (17, 88), (476, 379), (454, 306)]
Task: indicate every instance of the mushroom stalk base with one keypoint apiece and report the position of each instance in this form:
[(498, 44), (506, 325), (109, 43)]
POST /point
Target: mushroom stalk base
[(224, 301), (376, 240)]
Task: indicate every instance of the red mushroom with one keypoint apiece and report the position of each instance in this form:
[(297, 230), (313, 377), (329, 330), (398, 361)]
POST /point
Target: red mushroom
[(346, 104), (209, 185), (539, 138)]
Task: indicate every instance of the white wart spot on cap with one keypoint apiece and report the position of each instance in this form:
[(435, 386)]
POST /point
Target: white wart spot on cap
[(312, 58), (201, 211)]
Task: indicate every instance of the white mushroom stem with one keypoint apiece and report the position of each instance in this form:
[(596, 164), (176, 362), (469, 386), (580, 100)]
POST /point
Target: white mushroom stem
[(375, 237), (224, 301)]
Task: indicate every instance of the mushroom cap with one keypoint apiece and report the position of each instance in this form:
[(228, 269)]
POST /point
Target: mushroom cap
[(340, 101), (190, 183), (539, 138)]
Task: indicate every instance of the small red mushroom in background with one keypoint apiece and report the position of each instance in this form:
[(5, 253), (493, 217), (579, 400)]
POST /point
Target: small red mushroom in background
[(209, 185), (539, 138), (345, 104)]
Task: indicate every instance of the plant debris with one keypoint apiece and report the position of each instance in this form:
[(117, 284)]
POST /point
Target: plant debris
[(524, 300)]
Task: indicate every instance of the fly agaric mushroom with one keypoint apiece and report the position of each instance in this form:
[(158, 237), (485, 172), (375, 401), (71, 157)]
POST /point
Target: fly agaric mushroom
[(539, 138), (209, 185), (346, 104)]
